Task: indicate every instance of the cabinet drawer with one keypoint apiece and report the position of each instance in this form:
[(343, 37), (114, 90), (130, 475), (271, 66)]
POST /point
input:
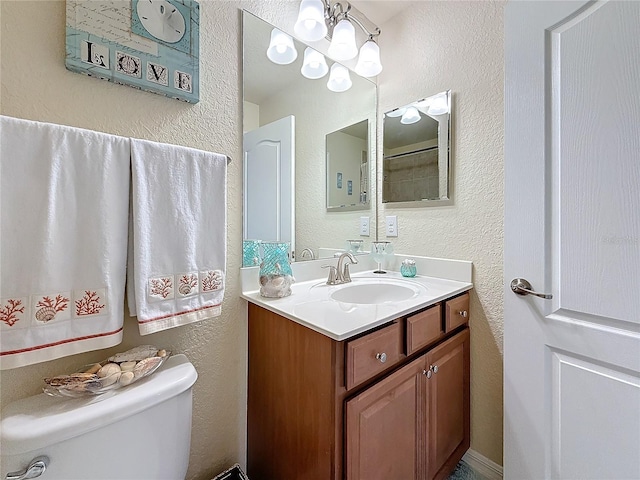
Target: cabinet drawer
[(423, 328), (369, 355), (457, 311)]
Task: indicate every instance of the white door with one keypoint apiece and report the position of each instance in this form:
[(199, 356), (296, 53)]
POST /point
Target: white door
[(572, 229), (268, 186)]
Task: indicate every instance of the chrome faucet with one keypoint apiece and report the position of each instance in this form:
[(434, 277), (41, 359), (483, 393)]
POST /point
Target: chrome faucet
[(343, 272), (309, 252)]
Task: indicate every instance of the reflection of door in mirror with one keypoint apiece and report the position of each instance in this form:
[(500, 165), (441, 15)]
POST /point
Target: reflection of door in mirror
[(269, 154), (417, 151), (347, 160)]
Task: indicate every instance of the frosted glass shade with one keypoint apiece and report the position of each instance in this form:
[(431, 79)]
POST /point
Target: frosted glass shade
[(398, 112), (314, 65), (369, 60), (339, 78), (343, 43), (411, 115), (439, 106), (281, 49), (310, 25)]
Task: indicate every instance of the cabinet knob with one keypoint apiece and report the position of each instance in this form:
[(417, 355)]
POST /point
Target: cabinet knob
[(463, 313), (382, 357), (434, 368), (427, 373)]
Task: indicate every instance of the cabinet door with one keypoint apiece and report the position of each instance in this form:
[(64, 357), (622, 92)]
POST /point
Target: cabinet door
[(448, 391), (386, 427)]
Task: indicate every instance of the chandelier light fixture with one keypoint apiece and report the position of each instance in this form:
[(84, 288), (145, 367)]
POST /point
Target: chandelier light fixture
[(319, 18)]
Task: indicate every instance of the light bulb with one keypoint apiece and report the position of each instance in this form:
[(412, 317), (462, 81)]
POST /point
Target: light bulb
[(411, 115), (314, 65), (369, 60), (339, 78), (281, 49), (310, 25), (343, 43)]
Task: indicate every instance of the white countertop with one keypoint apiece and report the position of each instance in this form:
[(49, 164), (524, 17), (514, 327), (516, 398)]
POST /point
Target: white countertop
[(310, 303)]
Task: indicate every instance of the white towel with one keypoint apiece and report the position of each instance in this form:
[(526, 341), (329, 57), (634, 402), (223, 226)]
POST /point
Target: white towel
[(64, 198), (177, 256)]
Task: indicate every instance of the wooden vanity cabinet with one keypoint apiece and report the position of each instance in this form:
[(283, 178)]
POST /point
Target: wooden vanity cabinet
[(322, 409)]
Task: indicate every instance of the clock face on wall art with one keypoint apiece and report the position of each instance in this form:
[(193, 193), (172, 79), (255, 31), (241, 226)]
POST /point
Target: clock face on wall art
[(152, 45)]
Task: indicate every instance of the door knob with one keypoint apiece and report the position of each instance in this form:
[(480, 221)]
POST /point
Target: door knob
[(523, 287)]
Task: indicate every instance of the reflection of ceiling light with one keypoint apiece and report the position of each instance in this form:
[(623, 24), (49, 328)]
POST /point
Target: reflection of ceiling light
[(310, 25), (410, 116), (398, 112), (369, 60), (314, 65), (316, 18), (438, 106), (339, 79), (281, 49)]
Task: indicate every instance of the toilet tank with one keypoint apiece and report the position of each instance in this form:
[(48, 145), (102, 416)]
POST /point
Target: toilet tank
[(139, 432)]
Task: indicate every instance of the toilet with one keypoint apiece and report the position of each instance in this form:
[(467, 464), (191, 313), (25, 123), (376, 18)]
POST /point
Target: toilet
[(139, 432)]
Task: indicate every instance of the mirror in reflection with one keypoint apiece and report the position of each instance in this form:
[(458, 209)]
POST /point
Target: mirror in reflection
[(348, 167), (416, 146), (288, 119)]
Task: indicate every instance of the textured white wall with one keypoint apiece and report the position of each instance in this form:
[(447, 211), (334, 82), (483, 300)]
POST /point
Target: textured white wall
[(457, 45)]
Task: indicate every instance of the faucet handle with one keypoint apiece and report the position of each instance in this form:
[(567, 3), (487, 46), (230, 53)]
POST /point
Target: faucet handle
[(345, 275), (333, 274)]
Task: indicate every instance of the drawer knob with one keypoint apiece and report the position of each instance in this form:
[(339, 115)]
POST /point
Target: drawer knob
[(382, 357), (463, 313)]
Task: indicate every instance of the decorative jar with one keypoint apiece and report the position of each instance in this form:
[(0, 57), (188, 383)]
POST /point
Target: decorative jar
[(408, 267), (251, 253), (276, 276)]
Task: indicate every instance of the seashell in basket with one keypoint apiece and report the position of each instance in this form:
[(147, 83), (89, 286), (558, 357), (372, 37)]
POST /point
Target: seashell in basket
[(147, 365), (135, 354), (45, 314), (63, 380)]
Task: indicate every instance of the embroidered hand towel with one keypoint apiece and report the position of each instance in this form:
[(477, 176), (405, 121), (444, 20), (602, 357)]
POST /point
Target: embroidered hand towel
[(177, 256), (64, 197)]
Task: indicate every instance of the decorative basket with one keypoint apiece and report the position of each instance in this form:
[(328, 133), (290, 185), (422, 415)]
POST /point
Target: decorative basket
[(117, 371)]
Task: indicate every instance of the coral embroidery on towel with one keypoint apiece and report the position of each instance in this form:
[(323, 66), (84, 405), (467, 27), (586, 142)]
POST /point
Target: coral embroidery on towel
[(49, 306), (210, 281), (188, 284), (161, 288), (89, 303), (12, 311)]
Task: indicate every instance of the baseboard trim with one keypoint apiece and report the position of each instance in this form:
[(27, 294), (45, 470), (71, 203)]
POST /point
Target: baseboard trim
[(481, 464)]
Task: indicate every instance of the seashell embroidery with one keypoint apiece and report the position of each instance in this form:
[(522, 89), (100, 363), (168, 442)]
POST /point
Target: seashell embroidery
[(188, 284), (50, 307), (45, 314)]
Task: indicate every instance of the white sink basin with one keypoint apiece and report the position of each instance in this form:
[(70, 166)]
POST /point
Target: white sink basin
[(374, 291)]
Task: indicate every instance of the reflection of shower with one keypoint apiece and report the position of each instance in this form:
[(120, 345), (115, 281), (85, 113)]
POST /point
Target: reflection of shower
[(364, 177)]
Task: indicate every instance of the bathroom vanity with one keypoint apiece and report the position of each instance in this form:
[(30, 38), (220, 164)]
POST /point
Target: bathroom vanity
[(388, 402)]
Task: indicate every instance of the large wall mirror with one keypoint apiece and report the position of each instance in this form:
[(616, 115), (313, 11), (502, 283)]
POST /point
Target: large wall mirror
[(289, 122), (416, 149)]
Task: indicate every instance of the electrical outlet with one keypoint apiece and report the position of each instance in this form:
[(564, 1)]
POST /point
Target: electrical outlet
[(392, 225), (364, 226)]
